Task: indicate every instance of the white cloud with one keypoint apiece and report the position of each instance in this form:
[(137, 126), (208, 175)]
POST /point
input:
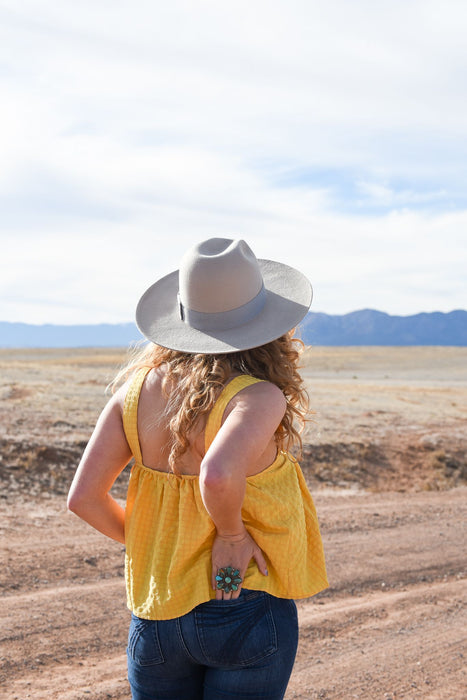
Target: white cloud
[(400, 263), (129, 131)]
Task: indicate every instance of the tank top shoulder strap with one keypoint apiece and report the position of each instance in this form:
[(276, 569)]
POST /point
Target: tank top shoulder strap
[(130, 412), (228, 392)]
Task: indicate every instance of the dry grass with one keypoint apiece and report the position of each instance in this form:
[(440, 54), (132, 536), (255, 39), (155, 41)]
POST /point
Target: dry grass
[(383, 416)]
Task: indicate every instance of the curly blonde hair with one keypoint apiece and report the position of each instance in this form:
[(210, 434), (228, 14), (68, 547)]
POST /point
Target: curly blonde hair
[(193, 381)]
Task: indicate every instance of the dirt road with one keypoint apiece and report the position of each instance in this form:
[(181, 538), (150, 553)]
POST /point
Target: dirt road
[(392, 625)]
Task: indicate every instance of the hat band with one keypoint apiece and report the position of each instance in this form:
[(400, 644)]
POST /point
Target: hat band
[(223, 320)]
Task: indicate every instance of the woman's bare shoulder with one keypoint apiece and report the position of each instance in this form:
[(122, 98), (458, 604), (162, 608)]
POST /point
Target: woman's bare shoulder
[(152, 382), (119, 395), (262, 389), (258, 397)]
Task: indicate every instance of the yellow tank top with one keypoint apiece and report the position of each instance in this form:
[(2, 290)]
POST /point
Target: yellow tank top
[(169, 534)]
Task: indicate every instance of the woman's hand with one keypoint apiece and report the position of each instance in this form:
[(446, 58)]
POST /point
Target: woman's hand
[(236, 551)]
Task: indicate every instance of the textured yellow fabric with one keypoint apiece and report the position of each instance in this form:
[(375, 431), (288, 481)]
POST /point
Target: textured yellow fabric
[(169, 533)]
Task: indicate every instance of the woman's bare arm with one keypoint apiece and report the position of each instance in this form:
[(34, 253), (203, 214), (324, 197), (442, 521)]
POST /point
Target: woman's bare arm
[(242, 439), (105, 456)]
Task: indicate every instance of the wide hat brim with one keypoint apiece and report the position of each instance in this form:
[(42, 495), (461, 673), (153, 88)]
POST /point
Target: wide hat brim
[(287, 300)]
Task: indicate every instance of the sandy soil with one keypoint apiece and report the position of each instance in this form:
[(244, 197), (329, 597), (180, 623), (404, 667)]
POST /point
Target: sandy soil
[(386, 463)]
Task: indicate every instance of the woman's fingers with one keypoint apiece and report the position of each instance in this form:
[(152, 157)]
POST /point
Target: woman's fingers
[(260, 561), (228, 583), (236, 593), (236, 554), (222, 595)]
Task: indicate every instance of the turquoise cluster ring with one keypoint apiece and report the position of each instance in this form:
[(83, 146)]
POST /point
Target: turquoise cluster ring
[(228, 579)]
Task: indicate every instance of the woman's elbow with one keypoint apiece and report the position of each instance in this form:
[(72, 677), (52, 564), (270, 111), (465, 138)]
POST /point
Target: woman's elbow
[(79, 500), (213, 477), (74, 501)]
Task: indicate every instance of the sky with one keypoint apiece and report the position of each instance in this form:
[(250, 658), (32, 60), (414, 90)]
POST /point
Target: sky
[(331, 136)]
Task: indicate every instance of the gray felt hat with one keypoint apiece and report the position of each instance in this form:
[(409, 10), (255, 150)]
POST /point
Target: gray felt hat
[(223, 300)]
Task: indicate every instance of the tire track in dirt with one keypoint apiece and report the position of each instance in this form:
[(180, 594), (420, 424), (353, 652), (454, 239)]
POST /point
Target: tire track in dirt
[(390, 603), (27, 600), (94, 680), (59, 626), (46, 547), (417, 636)]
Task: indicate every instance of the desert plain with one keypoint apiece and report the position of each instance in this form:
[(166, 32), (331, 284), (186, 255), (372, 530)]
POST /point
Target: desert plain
[(386, 463)]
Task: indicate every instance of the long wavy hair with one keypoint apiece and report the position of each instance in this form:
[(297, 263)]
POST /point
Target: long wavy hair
[(192, 382)]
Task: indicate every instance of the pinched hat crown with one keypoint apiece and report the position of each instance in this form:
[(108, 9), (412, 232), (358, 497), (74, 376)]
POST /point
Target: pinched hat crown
[(220, 285), (223, 299)]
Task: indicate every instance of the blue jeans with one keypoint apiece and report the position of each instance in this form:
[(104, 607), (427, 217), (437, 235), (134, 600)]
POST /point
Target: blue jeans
[(242, 648)]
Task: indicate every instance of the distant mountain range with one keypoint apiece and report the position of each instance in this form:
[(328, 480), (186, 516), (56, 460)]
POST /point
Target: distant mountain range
[(366, 327), (370, 327)]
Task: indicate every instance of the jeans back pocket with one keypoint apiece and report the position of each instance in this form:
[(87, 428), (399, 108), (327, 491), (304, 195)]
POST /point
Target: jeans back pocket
[(143, 642), (236, 633)]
